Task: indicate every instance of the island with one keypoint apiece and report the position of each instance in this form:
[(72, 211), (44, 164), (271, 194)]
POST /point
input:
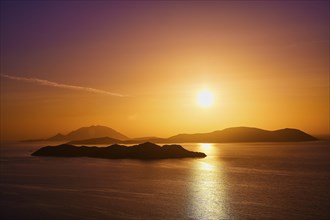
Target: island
[(97, 134), (228, 135), (144, 151)]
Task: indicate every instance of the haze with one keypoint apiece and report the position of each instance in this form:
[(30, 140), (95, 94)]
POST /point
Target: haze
[(138, 66)]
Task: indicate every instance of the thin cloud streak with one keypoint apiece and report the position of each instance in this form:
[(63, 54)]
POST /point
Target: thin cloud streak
[(60, 85)]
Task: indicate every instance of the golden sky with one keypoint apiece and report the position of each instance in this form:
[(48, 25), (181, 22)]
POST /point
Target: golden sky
[(138, 66)]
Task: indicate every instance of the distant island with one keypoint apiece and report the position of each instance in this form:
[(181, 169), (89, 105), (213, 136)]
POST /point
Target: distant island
[(94, 131), (94, 135), (145, 151), (244, 134)]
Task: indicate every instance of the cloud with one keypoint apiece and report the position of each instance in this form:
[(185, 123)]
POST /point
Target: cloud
[(60, 85)]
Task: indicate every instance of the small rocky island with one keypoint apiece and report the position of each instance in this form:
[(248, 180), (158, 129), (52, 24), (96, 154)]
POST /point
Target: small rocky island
[(145, 151)]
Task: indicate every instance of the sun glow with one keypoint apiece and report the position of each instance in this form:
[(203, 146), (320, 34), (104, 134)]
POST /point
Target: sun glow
[(205, 98)]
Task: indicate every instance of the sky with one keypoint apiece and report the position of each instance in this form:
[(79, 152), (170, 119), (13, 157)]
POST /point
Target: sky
[(138, 66)]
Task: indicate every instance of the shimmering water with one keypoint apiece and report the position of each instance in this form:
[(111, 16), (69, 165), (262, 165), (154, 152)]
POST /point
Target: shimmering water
[(235, 181)]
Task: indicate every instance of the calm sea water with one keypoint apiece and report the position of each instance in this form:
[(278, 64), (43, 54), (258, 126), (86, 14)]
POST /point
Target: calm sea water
[(235, 181)]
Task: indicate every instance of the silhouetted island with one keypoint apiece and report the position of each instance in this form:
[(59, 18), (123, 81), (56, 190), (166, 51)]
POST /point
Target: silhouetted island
[(243, 134), (145, 151), (94, 135), (236, 134), (91, 132)]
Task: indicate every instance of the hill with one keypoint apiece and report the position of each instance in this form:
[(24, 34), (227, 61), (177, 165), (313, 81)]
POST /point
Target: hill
[(94, 135), (94, 131), (236, 134), (145, 151), (108, 140), (244, 134)]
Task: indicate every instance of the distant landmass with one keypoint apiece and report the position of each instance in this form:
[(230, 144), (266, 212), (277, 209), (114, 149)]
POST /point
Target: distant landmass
[(145, 151), (108, 140), (244, 134), (236, 134), (95, 131), (94, 135)]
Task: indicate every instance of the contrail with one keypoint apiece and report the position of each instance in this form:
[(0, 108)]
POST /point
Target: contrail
[(60, 85)]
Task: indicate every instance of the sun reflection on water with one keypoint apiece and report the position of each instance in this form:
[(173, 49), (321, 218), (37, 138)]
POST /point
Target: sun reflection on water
[(208, 199), (205, 146), (206, 166)]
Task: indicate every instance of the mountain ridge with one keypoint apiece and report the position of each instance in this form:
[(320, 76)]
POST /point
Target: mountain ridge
[(244, 134), (104, 135), (233, 134), (93, 131)]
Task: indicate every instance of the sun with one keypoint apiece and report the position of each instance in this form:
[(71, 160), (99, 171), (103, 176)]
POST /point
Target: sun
[(205, 98)]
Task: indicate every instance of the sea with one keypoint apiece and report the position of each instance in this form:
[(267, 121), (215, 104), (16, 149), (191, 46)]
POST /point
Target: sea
[(234, 181)]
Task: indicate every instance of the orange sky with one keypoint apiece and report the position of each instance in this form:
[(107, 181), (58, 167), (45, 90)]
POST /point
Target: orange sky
[(267, 64)]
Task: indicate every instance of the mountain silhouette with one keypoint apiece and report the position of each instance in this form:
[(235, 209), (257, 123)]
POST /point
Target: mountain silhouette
[(145, 151), (58, 137), (94, 135), (244, 134), (95, 131), (108, 140), (235, 134)]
